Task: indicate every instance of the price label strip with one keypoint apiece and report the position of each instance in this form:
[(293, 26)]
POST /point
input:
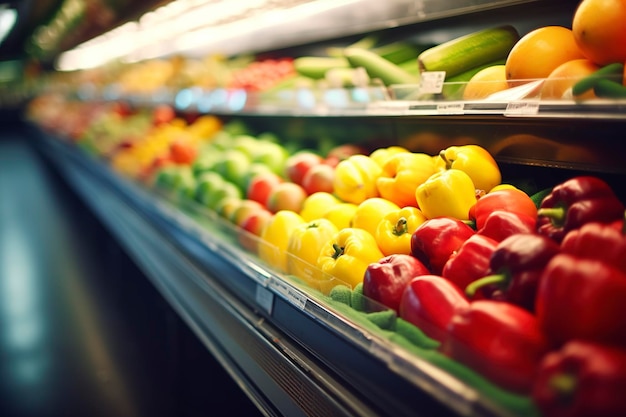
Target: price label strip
[(522, 108), (291, 294)]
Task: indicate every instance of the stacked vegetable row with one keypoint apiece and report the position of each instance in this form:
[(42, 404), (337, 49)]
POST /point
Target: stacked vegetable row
[(526, 291)]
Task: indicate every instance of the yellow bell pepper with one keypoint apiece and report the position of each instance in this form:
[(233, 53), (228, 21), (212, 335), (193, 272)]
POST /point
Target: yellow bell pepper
[(448, 193), (345, 258), (355, 179), (394, 231), (381, 155), (370, 212), (304, 247), (275, 238), (317, 204), (401, 175), (341, 214), (475, 161)]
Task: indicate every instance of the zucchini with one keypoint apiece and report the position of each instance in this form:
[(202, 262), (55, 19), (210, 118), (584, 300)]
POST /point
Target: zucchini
[(378, 67), (609, 89), (613, 72), (398, 52), (315, 67)]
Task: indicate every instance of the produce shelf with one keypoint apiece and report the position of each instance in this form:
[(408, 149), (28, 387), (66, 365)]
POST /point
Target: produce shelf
[(292, 353)]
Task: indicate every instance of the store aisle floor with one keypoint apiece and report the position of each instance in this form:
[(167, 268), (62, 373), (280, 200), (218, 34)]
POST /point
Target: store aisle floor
[(82, 331)]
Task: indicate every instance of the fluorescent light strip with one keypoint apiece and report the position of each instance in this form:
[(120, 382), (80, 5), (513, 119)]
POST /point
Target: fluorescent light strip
[(184, 25), (8, 17)]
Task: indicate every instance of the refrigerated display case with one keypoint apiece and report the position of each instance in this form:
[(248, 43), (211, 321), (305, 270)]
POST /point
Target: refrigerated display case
[(296, 351)]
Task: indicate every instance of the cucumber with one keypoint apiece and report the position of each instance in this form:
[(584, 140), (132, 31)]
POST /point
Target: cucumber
[(316, 66), (469, 51), (378, 67), (410, 66), (609, 89), (398, 52), (613, 72)]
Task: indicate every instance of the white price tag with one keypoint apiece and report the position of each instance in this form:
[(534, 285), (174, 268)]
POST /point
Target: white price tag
[(450, 108), (265, 298), (292, 295), (431, 82), (521, 108)]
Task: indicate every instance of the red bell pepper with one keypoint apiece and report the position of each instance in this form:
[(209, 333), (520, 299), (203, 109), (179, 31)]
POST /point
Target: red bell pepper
[(575, 202), (501, 224), (512, 200), (471, 261), (604, 242), (385, 280), (429, 302), (499, 340), (516, 267), (582, 379), (582, 299), (436, 239)]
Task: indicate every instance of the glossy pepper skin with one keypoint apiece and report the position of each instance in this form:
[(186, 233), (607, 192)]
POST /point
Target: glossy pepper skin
[(275, 237), (499, 340), (604, 242), (510, 200), (448, 193), (582, 299), (429, 302), (355, 179), (474, 160), (575, 202), (395, 230), (500, 224), (304, 246), (345, 258), (471, 261), (386, 280), (582, 379), (402, 174), (437, 239), (515, 269)]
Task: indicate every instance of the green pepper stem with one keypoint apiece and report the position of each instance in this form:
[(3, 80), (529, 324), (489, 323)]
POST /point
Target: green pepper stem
[(442, 155), (557, 214), (338, 251), (564, 384), (401, 227), (471, 289)]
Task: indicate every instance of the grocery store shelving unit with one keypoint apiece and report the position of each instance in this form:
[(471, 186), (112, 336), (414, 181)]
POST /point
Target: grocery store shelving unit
[(291, 353)]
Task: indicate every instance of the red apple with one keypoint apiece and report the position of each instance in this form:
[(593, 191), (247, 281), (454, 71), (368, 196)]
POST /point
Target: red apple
[(245, 209), (287, 196), (261, 186), (341, 152), (299, 163), (252, 227), (319, 178)]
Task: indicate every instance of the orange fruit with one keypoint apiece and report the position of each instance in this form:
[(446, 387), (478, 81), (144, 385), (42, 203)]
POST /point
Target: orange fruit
[(565, 76), (486, 82), (599, 28), (539, 52)]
